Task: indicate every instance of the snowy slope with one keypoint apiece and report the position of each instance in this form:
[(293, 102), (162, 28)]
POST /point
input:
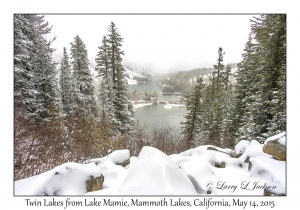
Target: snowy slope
[(195, 171), (131, 74)]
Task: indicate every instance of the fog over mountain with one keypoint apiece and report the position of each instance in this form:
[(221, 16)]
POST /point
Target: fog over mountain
[(162, 43)]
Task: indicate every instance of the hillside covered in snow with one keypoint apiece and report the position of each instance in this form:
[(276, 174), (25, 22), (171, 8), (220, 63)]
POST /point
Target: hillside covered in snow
[(246, 170), (132, 76)]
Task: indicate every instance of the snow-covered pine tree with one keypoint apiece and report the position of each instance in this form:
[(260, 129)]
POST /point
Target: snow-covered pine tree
[(106, 90), (246, 90), (216, 100), (260, 91), (23, 72), (35, 85), (226, 75), (124, 112), (66, 85), (37, 142), (83, 80), (270, 33), (219, 67), (216, 120), (193, 124), (102, 60), (227, 114)]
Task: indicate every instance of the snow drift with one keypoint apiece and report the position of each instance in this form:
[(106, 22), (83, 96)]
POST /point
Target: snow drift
[(66, 179), (202, 170), (160, 176)]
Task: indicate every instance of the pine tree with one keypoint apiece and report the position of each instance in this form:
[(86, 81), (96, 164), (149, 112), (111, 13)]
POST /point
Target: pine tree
[(124, 112), (83, 80), (193, 124), (107, 93), (227, 114), (102, 59), (227, 74), (260, 91), (216, 100), (66, 85), (35, 85), (219, 66), (37, 103), (246, 91), (270, 32)]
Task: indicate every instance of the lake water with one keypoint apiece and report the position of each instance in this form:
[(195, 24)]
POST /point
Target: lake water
[(156, 114)]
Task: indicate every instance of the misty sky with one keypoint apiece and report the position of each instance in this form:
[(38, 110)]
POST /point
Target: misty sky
[(162, 43)]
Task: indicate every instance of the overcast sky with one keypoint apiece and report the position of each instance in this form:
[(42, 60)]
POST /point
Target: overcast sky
[(163, 43)]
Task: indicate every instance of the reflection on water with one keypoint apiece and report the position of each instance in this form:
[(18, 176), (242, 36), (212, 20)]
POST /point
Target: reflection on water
[(156, 114)]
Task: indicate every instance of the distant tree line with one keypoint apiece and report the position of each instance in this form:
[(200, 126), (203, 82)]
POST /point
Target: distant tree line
[(143, 80), (145, 96), (183, 81)]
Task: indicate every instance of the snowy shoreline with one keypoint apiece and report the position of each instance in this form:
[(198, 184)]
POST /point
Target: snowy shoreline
[(135, 106), (169, 106), (142, 104)]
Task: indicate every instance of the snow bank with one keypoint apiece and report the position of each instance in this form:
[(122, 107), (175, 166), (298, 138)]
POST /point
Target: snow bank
[(280, 137), (169, 106), (241, 147), (118, 156), (199, 172), (113, 173), (66, 179), (154, 173), (237, 178), (191, 172), (141, 105), (254, 150)]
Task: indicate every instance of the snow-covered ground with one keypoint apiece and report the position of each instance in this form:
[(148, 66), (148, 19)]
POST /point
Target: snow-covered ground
[(192, 172), (169, 106), (132, 74), (140, 105)]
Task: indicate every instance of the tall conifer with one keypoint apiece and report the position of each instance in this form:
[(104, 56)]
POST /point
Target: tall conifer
[(66, 85), (35, 85), (83, 80), (193, 124), (124, 111)]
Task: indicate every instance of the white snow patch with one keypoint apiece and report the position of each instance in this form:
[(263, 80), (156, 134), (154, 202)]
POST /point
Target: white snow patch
[(169, 106), (241, 146), (132, 74), (141, 105), (280, 137), (154, 173), (118, 156), (66, 179)]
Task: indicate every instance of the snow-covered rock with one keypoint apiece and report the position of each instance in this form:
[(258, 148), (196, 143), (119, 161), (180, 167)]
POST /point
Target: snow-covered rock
[(276, 146), (114, 173), (154, 173), (191, 172), (66, 179)]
